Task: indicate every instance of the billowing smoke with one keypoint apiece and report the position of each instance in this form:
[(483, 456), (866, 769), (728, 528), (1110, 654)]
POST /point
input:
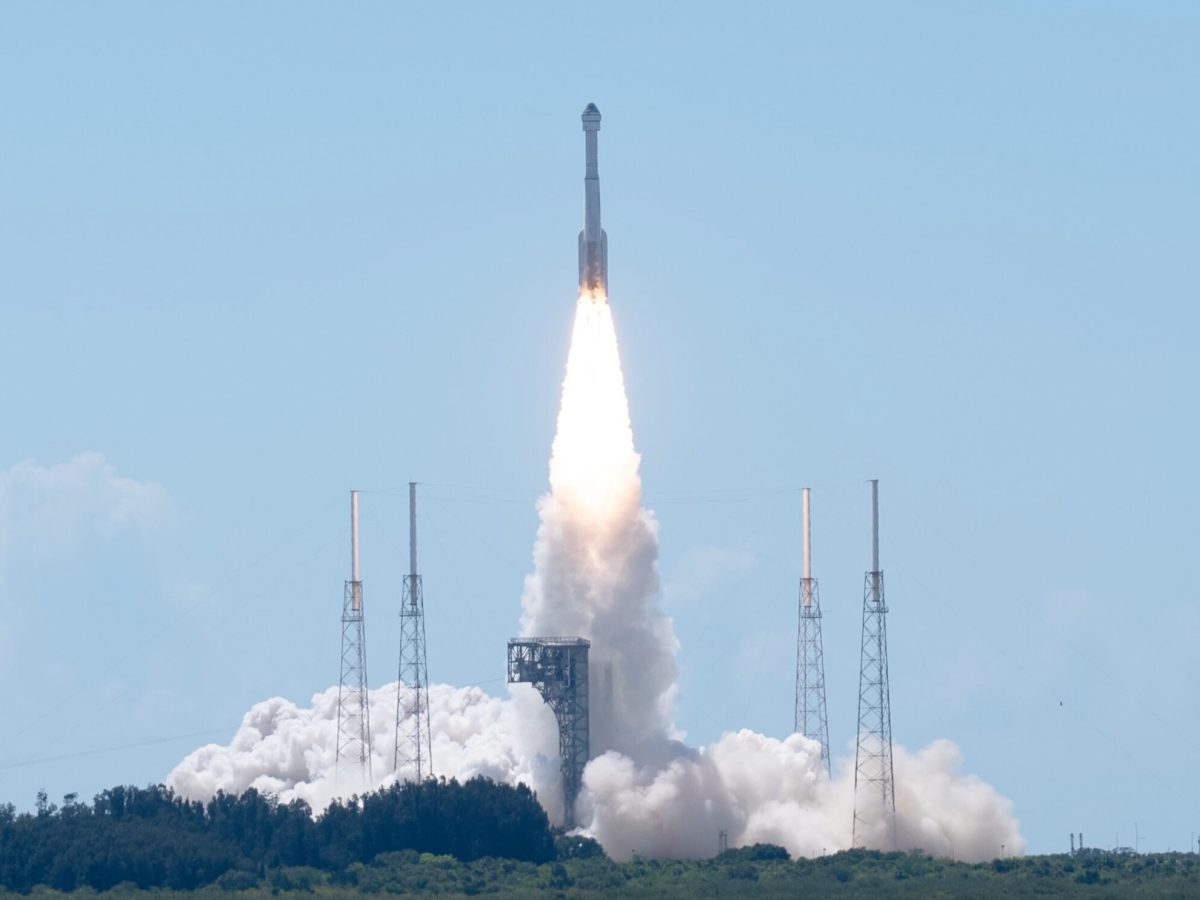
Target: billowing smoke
[(290, 751), (762, 789), (595, 560), (756, 788), (595, 575)]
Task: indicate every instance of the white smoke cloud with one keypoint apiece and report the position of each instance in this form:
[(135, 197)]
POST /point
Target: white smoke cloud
[(753, 787), (290, 751), (45, 510), (595, 558), (760, 789), (595, 575)]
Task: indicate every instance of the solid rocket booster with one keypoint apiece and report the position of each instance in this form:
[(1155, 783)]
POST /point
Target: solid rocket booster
[(593, 242)]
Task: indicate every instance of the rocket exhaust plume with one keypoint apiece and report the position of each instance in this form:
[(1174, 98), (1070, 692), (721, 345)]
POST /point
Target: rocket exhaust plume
[(595, 571), (595, 575)]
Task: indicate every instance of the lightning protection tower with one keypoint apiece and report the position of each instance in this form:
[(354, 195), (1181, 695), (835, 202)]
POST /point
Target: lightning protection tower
[(414, 743), (353, 721), (874, 784), (558, 668), (810, 719)]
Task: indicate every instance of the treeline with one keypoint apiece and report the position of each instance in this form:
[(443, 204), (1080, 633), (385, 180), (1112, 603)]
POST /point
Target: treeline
[(478, 837), (151, 838)]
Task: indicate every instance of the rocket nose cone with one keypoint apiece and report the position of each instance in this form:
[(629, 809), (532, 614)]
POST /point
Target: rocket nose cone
[(591, 118)]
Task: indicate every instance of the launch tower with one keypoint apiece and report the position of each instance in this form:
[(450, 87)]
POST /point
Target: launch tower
[(414, 743), (353, 721), (810, 719), (558, 668), (874, 785)]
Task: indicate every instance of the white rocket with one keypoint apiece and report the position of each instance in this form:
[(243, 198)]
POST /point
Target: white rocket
[(593, 242)]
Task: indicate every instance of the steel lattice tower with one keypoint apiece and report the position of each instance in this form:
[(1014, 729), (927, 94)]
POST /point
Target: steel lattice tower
[(811, 720), (874, 783), (558, 668), (414, 742), (354, 722)]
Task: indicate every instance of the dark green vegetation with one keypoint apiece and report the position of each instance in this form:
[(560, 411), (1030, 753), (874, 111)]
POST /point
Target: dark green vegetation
[(152, 838), (477, 838)]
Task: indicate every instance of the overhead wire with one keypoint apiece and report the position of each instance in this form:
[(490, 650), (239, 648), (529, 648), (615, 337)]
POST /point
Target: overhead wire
[(259, 559), (114, 748), (985, 637), (449, 493)]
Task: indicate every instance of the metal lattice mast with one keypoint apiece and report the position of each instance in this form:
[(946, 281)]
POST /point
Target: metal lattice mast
[(414, 742), (811, 720), (874, 782), (353, 722), (558, 668)]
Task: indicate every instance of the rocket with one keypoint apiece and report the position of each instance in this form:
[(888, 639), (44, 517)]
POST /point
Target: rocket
[(593, 242)]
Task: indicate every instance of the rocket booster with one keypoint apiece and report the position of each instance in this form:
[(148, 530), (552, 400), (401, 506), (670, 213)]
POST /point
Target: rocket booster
[(593, 242)]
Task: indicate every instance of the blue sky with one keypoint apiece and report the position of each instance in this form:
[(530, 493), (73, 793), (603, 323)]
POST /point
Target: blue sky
[(254, 256)]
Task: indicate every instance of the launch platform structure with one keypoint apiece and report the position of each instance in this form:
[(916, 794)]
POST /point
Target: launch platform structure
[(353, 720), (874, 782), (558, 668), (811, 719), (414, 741)]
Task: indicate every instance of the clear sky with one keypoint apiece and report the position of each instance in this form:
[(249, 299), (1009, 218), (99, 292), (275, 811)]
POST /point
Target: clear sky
[(253, 256)]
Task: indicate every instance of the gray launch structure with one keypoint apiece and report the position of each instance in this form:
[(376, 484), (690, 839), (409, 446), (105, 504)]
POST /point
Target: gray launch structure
[(811, 720), (558, 668), (353, 720), (874, 781), (414, 740)]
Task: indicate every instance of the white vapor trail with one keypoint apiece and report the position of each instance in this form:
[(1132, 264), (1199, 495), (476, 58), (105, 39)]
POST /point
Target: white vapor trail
[(595, 559)]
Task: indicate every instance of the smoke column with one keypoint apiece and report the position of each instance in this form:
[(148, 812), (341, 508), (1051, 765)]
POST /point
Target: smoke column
[(595, 575), (595, 559)]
